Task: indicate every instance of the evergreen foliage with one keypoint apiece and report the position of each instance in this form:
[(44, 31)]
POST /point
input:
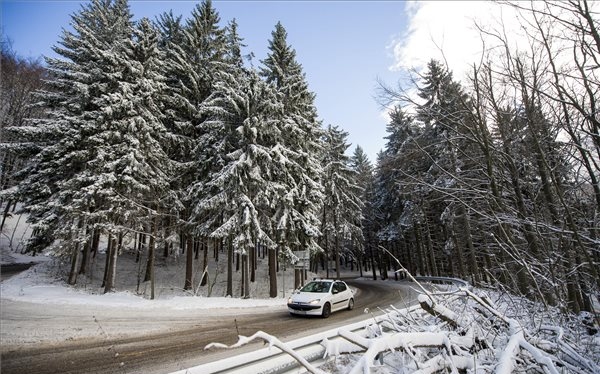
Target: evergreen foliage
[(342, 207), (476, 186), (62, 187), (158, 134), (301, 143)]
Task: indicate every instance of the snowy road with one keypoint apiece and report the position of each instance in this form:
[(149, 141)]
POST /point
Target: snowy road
[(7, 271), (107, 341)]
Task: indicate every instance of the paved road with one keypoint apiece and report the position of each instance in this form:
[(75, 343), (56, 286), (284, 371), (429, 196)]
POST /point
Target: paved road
[(7, 271), (180, 343)]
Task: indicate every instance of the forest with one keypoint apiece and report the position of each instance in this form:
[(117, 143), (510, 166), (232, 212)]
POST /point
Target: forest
[(157, 137)]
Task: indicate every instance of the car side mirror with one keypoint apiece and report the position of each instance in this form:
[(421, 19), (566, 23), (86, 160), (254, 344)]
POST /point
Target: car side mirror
[(334, 291)]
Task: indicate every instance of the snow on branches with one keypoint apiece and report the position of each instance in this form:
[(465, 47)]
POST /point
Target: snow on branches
[(460, 331), (463, 331)]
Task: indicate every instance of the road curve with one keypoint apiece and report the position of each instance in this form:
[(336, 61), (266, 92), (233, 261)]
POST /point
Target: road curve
[(8, 270), (173, 349)]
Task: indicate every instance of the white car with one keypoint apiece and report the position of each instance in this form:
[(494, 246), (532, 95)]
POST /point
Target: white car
[(321, 297)]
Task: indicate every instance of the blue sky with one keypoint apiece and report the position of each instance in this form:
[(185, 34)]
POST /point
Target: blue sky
[(344, 46)]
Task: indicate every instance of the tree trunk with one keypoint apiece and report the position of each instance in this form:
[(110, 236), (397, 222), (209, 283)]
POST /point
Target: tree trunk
[(336, 246), (85, 260), (151, 251), (74, 259), (96, 242), (245, 276), (470, 247), (373, 262), (141, 245), (204, 279), (5, 214), (419, 247), (253, 263), (229, 291), (109, 249), (112, 267), (430, 251), (150, 260), (272, 272), (189, 264)]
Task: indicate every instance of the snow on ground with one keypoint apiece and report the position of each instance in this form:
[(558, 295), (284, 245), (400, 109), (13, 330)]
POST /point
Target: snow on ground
[(12, 240), (40, 294), (38, 306), (46, 283), (38, 285), (30, 298)]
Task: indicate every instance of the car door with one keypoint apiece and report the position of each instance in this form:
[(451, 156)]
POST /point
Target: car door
[(340, 296)]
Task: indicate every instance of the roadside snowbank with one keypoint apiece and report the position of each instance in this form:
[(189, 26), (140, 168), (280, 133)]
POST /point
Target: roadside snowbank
[(44, 284)]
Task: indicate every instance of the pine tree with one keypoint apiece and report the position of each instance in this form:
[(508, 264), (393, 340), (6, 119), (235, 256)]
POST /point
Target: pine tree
[(342, 207), (102, 163), (298, 208), (233, 45), (393, 195), (86, 72), (235, 204), (365, 180), (196, 55), (447, 115), (134, 164)]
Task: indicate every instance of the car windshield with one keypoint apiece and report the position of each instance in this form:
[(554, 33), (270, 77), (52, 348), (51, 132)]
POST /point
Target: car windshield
[(316, 287)]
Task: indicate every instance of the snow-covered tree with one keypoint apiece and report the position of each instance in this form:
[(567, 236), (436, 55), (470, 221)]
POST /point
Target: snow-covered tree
[(297, 212), (342, 207), (233, 45), (19, 78), (243, 116), (131, 170), (365, 180), (88, 68), (102, 164), (196, 53)]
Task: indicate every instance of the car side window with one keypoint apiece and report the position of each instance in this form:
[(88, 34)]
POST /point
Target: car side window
[(340, 286)]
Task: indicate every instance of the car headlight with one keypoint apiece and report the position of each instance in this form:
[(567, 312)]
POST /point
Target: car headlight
[(290, 301), (314, 302)]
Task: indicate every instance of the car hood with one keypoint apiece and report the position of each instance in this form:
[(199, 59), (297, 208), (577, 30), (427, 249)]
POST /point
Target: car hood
[(305, 297)]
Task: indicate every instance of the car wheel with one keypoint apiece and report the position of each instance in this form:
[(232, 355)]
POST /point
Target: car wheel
[(351, 304), (326, 310)]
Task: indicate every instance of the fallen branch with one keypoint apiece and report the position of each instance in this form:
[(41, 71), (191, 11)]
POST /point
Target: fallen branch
[(441, 362), (517, 341), (438, 311), (273, 341)]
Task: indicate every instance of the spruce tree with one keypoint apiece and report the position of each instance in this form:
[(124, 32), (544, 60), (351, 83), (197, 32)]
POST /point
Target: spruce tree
[(195, 57), (396, 201), (298, 206), (134, 170), (88, 68), (102, 164), (236, 201), (233, 45), (342, 206), (361, 164)]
